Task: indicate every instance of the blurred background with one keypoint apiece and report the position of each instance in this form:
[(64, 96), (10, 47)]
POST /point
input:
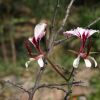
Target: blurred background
[(17, 21)]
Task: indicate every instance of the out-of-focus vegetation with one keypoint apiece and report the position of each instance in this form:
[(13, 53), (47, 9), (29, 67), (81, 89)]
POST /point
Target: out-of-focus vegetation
[(17, 21)]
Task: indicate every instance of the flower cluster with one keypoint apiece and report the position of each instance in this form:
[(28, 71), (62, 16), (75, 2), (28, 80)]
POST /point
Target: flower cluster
[(83, 35)]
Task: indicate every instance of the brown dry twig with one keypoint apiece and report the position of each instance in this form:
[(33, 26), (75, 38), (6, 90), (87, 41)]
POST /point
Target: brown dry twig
[(54, 16), (17, 86), (55, 68), (52, 25), (37, 81), (54, 36)]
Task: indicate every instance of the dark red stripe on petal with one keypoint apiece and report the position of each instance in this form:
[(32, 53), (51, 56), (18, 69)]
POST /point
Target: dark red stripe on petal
[(37, 45), (27, 46)]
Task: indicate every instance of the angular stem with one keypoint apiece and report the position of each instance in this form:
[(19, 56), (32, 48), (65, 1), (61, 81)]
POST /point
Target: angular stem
[(54, 67)]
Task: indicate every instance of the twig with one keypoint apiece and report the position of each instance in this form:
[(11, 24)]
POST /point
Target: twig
[(71, 78), (94, 22), (38, 77), (52, 25), (62, 26), (54, 67), (61, 84), (17, 86), (59, 41), (54, 16), (67, 13), (71, 74), (66, 16), (52, 87), (58, 86)]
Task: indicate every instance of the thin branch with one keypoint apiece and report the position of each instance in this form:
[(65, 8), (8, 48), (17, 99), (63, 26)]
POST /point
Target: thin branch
[(54, 67), (38, 78), (17, 86), (53, 38), (66, 16), (58, 86), (59, 41), (71, 74), (61, 84), (52, 87), (67, 12), (71, 78), (62, 69), (94, 22), (52, 25), (54, 16)]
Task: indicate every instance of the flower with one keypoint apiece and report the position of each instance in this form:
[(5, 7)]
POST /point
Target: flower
[(83, 35), (88, 61), (39, 33), (38, 59)]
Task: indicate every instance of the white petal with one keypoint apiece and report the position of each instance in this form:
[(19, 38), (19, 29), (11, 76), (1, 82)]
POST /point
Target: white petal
[(91, 32), (28, 62), (68, 33), (79, 32), (87, 63), (30, 39), (76, 62), (39, 30), (86, 31), (93, 60), (40, 62)]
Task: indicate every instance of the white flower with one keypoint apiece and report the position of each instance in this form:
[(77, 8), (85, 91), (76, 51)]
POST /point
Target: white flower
[(38, 59), (81, 32), (83, 35), (89, 62), (39, 32)]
